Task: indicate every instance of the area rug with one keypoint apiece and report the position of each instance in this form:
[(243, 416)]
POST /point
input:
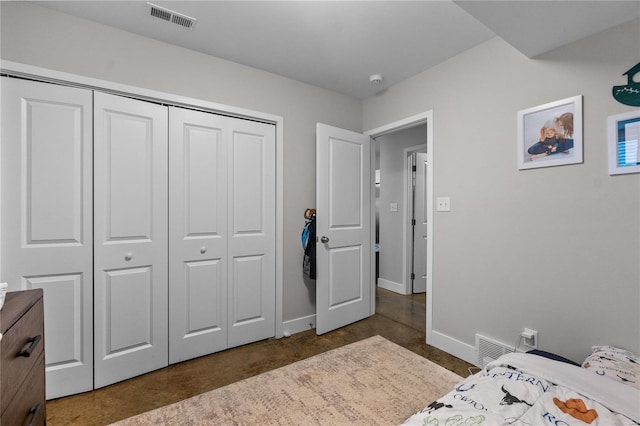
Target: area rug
[(370, 382)]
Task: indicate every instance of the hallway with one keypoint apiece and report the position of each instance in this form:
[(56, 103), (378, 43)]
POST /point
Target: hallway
[(410, 310)]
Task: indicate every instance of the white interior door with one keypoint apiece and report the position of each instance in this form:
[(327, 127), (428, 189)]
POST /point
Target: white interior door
[(343, 227), (130, 205), (251, 227), (421, 223), (197, 233), (46, 211)]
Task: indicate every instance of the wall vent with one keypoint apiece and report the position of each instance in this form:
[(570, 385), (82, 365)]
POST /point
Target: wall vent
[(171, 16), (488, 350)]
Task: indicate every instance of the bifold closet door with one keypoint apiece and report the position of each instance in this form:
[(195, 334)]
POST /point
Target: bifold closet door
[(46, 210), (251, 248), (222, 233), (197, 233), (130, 233)]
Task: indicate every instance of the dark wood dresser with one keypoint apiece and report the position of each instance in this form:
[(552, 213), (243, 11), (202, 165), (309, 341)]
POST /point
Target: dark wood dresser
[(22, 386)]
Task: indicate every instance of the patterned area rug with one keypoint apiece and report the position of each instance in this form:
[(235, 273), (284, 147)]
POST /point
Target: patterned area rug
[(370, 382)]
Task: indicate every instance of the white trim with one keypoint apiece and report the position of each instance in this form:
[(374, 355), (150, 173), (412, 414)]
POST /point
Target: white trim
[(67, 79), (58, 77), (280, 228), (372, 234), (299, 325), (430, 219), (415, 120), (405, 123), (399, 288), (455, 347)]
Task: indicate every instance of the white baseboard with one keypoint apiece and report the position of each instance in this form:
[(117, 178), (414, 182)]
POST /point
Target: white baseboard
[(448, 344), (392, 286), (455, 347), (299, 324)]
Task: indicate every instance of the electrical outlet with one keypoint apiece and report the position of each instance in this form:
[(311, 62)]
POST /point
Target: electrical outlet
[(530, 338), (443, 204)]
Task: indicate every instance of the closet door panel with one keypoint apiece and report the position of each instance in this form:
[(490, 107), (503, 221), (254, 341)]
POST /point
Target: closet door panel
[(129, 195), (198, 234), (46, 211), (131, 243), (251, 202)]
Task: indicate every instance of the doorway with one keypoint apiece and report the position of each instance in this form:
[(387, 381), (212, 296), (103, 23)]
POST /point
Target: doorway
[(400, 210), (393, 263)]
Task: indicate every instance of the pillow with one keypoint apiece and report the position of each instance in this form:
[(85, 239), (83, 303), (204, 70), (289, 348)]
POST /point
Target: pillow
[(552, 356), (616, 364)]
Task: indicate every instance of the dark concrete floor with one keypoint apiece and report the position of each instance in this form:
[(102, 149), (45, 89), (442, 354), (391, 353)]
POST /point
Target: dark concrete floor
[(400, 319)]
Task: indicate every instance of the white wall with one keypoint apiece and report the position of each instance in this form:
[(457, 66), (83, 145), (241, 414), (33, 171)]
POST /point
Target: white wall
[(554, 249), (38, 36), (393, 225)]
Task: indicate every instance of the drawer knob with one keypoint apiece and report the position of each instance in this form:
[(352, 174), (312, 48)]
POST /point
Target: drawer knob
[(31, 345), (128, 256)]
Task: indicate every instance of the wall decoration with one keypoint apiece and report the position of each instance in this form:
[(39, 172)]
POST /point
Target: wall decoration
[(629, 94), (624, 143), (550, 134)]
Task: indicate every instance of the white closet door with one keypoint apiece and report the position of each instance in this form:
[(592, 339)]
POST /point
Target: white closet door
[(131, 271), (251, 203), (197, 234), (47, 219)]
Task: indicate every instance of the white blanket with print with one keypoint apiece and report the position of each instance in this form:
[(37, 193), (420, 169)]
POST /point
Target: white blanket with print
[(523, 389)]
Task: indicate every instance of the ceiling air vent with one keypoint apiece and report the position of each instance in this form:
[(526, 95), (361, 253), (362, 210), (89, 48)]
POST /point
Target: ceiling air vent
[(171, 16)]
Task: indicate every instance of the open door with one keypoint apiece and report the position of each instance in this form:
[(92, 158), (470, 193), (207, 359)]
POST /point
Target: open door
[(421, 223), (343, 228)]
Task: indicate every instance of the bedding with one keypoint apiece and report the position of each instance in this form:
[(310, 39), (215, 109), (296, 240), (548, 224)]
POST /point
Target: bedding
[(527, 389), (616, 364)]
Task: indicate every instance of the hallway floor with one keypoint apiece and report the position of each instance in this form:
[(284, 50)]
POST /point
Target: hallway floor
[(400, 319)]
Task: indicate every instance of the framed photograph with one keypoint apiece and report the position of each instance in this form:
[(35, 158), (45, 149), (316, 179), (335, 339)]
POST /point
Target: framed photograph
[(550, 134), (623, 139)]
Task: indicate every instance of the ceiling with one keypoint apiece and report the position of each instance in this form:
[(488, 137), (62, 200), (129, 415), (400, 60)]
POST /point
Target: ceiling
[(337, 45)]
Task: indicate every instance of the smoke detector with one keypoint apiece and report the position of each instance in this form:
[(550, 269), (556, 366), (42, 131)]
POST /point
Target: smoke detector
[(375, 79), (171, 16)]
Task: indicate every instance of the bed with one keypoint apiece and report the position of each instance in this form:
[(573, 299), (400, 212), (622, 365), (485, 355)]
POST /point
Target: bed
[(529, 389)]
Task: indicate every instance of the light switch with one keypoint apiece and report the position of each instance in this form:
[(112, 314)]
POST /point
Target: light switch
[(443, 204), (393, 207)]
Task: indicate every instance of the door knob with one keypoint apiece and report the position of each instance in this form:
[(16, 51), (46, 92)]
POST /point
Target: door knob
[(203, 249), (128, 256), (324, 240)]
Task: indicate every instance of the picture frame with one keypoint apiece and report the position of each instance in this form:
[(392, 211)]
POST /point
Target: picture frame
[(550, 134), (623, 139)]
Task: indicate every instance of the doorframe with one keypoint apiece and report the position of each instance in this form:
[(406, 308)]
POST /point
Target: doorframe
[(16, 69), (405, 123)]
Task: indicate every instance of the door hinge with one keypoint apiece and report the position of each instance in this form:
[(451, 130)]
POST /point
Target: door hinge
[(413, 276), (413, 222), (414, 168)]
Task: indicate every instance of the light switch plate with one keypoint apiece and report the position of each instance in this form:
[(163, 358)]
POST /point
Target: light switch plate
[(393, 207), (443, 204)]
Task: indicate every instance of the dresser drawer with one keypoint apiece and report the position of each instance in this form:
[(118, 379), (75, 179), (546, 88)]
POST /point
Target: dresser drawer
[(16, 368), (28, 404)]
